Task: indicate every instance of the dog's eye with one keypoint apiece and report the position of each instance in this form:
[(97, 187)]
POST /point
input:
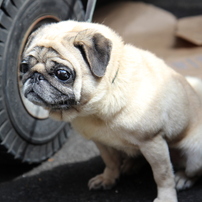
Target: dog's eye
[(24, 66), (62, 74)]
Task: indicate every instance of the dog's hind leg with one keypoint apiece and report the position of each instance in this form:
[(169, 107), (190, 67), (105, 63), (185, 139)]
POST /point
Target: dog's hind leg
[(192, 149), (183, 181)]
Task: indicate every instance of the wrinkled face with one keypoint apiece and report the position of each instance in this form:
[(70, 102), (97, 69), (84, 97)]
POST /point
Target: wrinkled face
[(48, 80), (54, 65)]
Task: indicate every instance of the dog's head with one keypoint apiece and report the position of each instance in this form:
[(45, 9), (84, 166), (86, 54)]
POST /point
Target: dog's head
[(63, 63)]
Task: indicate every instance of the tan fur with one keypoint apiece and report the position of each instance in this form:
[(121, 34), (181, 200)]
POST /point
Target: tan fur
[(140, 105)]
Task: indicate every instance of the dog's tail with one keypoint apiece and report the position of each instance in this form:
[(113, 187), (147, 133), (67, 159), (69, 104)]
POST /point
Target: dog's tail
[(196, 83)]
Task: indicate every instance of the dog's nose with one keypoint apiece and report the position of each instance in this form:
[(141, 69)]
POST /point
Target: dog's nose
[(37, 77)]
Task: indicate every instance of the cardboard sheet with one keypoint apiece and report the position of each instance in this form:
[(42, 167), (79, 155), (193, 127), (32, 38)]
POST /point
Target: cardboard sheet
[(190, 29), (156, 30)]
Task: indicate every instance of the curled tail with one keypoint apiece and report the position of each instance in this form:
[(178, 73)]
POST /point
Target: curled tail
[(196, 83)]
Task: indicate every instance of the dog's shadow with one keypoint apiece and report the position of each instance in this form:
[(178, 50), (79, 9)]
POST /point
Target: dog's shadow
[(68, 183)]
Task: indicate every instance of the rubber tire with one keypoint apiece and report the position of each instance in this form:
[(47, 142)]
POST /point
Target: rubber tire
[(27, 138)]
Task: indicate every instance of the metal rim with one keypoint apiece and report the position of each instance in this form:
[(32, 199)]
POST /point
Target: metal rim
[(34, 110)]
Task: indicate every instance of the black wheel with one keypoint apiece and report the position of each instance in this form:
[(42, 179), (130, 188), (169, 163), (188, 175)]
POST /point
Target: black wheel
[(25, 130)]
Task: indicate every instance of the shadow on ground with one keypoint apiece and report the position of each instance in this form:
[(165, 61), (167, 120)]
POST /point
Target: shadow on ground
[(68, 183)]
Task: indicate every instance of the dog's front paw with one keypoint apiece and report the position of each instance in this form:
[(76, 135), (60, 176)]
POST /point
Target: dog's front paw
[(183, 182), (166, 195), (100, 182)]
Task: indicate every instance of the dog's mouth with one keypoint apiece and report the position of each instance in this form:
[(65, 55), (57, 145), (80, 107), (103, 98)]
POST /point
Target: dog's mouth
[(50, 99), (58, 105), (35, 98)]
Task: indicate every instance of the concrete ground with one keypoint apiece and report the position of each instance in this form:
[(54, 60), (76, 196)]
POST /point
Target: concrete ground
[(64, 177)]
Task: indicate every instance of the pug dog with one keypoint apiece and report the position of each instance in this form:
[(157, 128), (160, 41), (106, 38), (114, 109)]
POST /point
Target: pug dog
[(123, 98)]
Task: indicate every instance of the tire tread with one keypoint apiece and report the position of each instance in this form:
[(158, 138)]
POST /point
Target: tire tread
[(78, 6), (3, 35), (9, 8), (5, 20), (18, 3), (21, 150), (1, 48)]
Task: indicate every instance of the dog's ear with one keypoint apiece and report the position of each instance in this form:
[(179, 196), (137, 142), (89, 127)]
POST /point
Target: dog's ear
[(95, 50)]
